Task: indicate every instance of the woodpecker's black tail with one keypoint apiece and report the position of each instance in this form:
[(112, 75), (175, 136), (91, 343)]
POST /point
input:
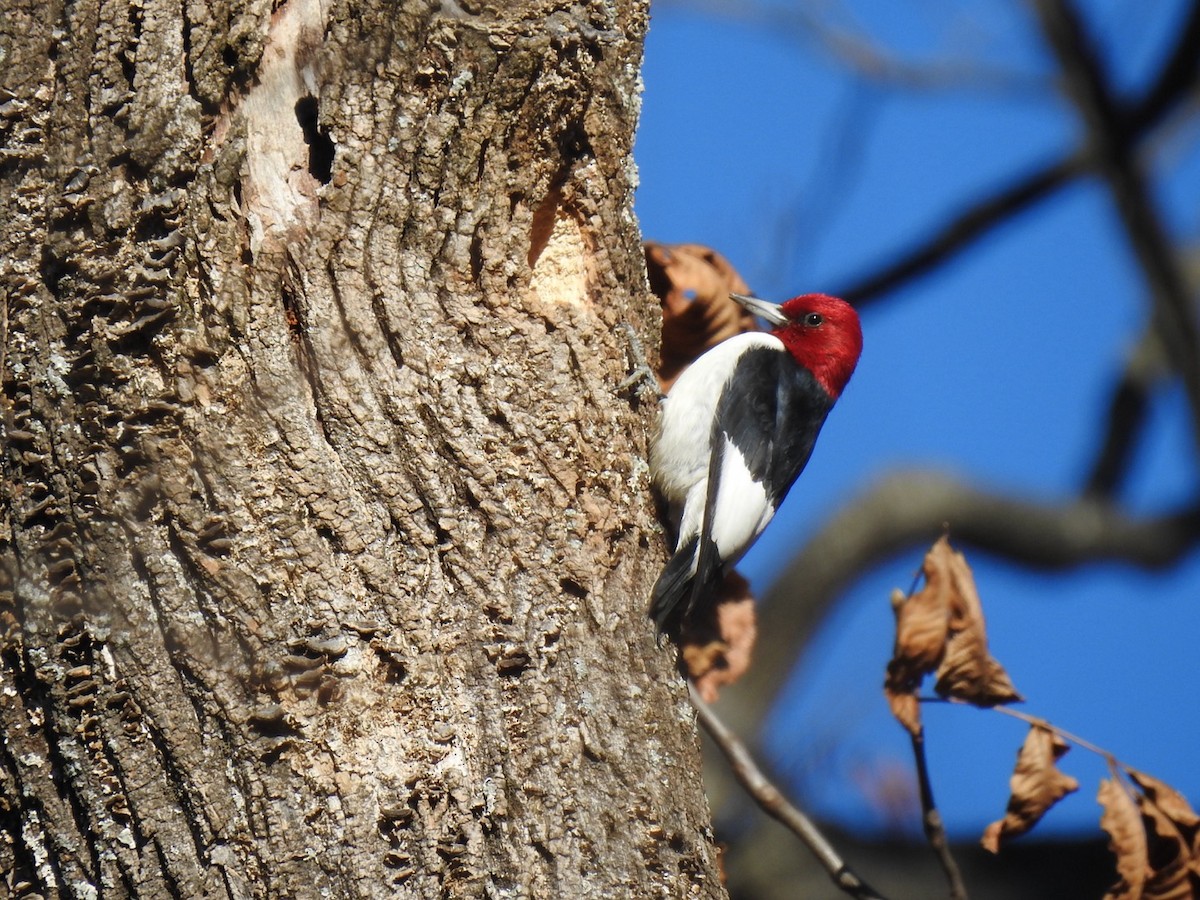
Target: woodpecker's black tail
[(674, 586), (696, 566), (678, 590)]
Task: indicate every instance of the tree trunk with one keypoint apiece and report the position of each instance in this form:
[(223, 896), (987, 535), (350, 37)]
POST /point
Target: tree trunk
[(326, 535)]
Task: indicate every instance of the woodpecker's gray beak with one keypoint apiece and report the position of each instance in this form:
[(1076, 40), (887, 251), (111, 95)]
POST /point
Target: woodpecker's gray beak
[(764, 309)]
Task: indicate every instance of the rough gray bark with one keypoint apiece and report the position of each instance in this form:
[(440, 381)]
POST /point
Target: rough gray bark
[(325, 536)]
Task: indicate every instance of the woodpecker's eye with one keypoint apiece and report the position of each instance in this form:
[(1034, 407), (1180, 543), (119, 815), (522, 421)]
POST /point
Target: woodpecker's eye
[(812, 320)]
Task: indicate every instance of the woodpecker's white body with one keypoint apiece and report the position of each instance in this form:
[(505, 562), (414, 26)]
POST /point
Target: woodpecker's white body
[(682, 451)]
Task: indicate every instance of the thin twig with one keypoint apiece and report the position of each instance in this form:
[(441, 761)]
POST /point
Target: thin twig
[(1036, 721), (931, 821), (865, 58), (1176, 78), (774, 804), (1061, 732)]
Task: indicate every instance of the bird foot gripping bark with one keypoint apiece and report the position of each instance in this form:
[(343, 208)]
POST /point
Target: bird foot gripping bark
[(642, 379)]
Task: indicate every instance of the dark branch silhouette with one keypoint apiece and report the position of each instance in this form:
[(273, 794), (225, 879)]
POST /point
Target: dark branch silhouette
[(867, 60), (1127, 412), (1179, 74), (964, 229), (1110, 147)]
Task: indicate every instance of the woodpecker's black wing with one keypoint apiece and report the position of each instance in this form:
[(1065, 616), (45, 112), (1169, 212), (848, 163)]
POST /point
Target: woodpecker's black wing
[(772, 412), (767, 421)]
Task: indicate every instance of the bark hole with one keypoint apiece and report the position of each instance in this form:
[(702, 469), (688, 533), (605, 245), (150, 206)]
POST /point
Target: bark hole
[(320, 145)]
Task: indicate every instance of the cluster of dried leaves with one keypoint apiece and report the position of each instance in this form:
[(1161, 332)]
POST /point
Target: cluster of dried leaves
[(693, 284), (941, 629), (1153, 832)]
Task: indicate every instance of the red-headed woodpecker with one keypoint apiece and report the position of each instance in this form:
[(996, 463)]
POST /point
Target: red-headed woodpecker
[(736, 430)]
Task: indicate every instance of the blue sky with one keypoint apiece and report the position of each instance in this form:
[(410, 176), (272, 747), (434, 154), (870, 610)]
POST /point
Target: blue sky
[(756, 142)]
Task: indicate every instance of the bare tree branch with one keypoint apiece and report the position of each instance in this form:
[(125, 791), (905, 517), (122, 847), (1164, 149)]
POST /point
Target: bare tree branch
[(910, 508), (964, 229), (1126, 415), (1111, 146), (1179, 74), (931, 821), (774, 804)]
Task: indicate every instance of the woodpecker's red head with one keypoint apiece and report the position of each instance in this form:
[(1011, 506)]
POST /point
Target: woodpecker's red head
[(821, 332)]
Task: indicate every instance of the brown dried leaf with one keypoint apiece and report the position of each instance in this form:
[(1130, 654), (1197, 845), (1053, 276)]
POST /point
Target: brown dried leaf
[(941, 628), (1127, 840), (1171, 874), (1154, 839), (967, 671), (1036, 785), (701, 658), (1172, 803), (1172, 829), (716, 648), (922, 627), (693, 283), (905, 707)]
